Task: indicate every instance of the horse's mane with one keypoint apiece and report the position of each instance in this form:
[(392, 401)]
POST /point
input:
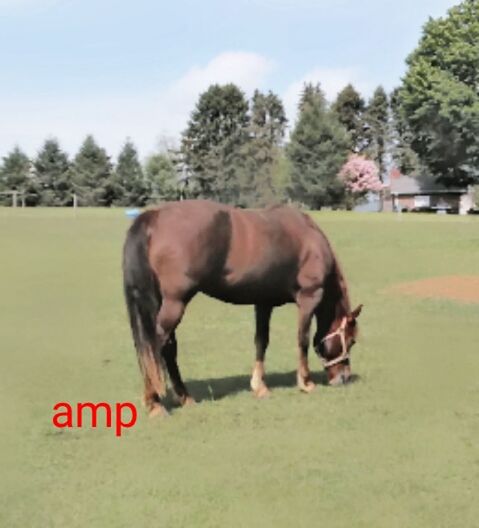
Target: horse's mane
[(343, 287)]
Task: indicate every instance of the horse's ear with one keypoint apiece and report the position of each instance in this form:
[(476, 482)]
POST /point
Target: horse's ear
[(355, 313)]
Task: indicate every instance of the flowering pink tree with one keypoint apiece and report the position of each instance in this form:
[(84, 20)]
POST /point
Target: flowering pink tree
[(360, 177)]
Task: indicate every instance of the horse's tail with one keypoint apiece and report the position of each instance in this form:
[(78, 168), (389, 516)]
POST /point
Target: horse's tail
[(143, 300)]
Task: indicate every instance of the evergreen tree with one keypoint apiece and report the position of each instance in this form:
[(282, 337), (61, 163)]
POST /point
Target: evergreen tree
[(130, 186), (214, 136), (318, 148), (53, 176), (439, 97), (349, 108), (377, 119), (15, 175), (162, 177), (260, 156), (92, 175), (268, 118)]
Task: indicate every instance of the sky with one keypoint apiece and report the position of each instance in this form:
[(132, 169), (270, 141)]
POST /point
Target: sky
[(119, 69)]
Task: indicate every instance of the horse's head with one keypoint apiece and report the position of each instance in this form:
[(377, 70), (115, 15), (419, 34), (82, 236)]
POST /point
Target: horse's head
[(334, 349)]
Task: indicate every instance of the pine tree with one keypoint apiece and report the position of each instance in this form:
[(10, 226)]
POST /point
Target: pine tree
[(377, 119), (131, 187), (211, 143), (53, 176), (161, 174), (15, 175), (349, 108), (92, 175), (268, 118), (260, 156), (318, 148)]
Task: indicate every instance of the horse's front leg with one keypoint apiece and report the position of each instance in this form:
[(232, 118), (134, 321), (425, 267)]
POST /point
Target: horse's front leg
[(307, 303), (261, 340)]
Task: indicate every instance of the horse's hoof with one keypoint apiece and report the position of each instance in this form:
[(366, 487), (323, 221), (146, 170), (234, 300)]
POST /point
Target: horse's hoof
[(306, 386), (158, 410), (188, 401), (262, 392)]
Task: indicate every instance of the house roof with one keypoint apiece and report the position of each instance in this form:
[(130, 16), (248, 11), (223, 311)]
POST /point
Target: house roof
[(408, 185), (404, 184)]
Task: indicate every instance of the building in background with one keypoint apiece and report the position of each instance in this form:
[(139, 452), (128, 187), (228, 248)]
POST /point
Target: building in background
[(406, 193)]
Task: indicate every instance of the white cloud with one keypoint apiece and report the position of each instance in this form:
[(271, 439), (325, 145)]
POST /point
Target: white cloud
[(144, 116), (247, 70), (175, 103), (332, 81)]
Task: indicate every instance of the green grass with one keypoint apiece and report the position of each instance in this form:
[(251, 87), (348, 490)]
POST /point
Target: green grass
[(399, 448)]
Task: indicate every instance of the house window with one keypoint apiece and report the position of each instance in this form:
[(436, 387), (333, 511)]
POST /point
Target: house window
[(422, 201)]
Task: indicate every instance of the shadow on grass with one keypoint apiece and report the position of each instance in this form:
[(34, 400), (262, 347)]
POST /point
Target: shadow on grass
[(219, 388)]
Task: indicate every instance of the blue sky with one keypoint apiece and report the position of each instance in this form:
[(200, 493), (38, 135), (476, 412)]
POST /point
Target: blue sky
[(122, 68)]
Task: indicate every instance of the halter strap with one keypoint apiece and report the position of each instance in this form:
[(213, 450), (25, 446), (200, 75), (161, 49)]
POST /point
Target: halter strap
[(341, 332)]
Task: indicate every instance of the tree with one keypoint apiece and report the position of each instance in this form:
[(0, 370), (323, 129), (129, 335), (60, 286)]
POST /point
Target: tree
[(162, 177), (349, 107), (377, 122), (91, 173), (260, 157), (211, 142), (317, 150), (268, 118), (402, 153), (360, 177), (130, 186), (15, 175), (53, 176), (439, 97)]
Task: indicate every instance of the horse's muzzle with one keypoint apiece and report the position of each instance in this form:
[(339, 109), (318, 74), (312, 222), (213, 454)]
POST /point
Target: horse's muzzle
[(341, 377)]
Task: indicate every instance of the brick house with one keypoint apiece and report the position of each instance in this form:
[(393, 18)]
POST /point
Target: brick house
[(406, 193)]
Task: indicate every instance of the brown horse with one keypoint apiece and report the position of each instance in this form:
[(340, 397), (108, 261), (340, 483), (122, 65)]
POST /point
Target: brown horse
[(266, 258)]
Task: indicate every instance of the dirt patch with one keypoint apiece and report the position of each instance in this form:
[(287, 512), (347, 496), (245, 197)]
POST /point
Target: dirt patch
[(462, 288)]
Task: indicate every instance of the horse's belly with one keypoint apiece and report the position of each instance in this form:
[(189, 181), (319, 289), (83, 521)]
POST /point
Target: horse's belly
[(250, 291)]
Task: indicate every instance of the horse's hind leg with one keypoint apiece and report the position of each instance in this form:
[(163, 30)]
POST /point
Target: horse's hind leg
[(263, 316), (153, 375), (167, 320), (170, 352)]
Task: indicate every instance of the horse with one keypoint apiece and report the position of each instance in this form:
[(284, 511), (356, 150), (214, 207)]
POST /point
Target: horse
[(266, 258)]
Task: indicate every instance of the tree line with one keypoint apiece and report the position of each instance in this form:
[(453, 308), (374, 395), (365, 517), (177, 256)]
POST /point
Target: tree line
[(52, 179), (232, 150), (238, 151)]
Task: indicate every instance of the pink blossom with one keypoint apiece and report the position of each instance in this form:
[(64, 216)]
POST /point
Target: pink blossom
[(360, 175)]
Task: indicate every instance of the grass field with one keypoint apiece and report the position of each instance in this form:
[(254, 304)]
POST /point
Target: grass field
[(398, 448)]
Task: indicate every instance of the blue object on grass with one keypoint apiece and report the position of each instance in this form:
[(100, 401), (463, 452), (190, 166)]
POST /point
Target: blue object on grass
[(132, 213)]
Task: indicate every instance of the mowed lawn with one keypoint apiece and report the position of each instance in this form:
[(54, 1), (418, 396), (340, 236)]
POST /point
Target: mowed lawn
[(397, 448)]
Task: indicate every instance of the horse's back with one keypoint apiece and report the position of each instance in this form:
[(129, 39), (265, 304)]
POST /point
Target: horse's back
[(237, 255)]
